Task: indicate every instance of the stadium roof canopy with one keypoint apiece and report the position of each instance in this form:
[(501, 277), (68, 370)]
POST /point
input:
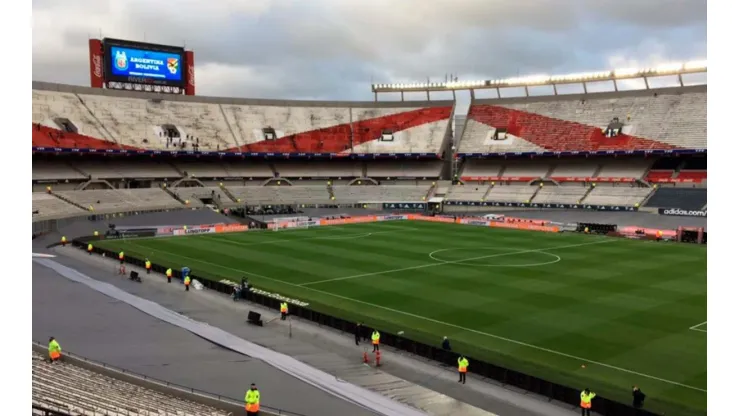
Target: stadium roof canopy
[(672, 69)]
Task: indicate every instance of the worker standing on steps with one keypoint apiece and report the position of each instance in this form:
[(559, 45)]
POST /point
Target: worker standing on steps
[(252, 401), (89, 248), (187, 283), (376, 340), (283, 310), (586, 397), (148, 266), (168, 273), (64, 241), (55, 351), (462, 369)]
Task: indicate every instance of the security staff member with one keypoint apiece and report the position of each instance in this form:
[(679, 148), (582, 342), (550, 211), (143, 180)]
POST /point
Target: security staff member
[(168, 273), (187, 283), (96, 233), (252, 401), (121, 257), (148, 266), (89, 248), (64, 241), (462, 369), (358, 333), (586, 397), (376, 340), (283, 310), (55, 351)]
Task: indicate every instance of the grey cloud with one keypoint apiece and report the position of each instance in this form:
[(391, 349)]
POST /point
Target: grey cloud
[(333, 48)]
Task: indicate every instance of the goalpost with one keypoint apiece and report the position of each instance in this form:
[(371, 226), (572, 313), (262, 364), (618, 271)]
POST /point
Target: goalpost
[(290, 223)]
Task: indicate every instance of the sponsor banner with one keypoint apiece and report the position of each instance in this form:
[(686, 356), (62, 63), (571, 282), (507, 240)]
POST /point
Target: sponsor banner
[(352, 220), (445, 219), (475, 222), (525, 226), (412, 206), (231, 228), (646, 152), (678, 212), (500, 179), (195, 230), (587, 179), (391, 217), (96, 63), (132, 233), (589, 207), (240, 155), (677, 180)]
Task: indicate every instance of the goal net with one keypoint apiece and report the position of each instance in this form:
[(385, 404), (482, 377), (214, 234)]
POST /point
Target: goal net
[(281, 224)]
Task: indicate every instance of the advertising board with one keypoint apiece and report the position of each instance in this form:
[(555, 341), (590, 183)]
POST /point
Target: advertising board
[(678, 212)]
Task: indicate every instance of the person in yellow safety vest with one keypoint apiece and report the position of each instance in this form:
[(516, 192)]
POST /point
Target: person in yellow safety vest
[(586, 397), (55, 351), (168, 273), (121, 256), (89, 248), (187, 283), (376, 340), (462, 368), (148, 266), (283, 310), (64, 241), (96, 233), (252, 401)]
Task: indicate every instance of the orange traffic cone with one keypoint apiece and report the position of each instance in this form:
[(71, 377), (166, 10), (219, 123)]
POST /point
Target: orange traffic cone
[(364, 358)]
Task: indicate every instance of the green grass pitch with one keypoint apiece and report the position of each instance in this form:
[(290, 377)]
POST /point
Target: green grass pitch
[(581, 310)]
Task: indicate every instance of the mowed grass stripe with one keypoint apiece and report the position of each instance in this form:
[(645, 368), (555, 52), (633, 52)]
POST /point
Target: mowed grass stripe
[(628, 282)]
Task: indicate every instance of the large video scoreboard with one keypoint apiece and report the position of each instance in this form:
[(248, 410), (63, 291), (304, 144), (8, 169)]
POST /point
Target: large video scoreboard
[(124, 64)]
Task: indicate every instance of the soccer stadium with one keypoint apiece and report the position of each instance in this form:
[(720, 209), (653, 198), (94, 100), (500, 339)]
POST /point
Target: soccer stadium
[(543, 245)]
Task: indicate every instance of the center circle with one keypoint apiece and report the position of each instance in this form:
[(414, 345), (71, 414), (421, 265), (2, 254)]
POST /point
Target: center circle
[(477, 257)]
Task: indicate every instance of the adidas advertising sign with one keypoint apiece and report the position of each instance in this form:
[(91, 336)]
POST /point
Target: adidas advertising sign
[(678, 212)]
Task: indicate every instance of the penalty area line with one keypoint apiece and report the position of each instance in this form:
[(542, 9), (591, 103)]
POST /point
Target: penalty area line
[(424, 318), (696, 327)]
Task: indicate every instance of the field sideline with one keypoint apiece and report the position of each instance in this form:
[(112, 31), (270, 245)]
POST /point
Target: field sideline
[(586, 311)]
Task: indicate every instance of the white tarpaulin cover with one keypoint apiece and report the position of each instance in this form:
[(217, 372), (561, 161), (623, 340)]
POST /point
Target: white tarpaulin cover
[(317, 378)]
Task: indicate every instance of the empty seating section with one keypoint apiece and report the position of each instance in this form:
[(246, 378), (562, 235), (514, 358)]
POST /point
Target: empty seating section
[(404, 168), (692, 175), (266, 195), (477, 136), (526, 169), (49, 205), (659, 175), (196, 193), (48, 106), (574, 168), (43, 136), (380, 193), (53, 170), (419, 130), (248, 169), (296, 128), (686, 198), (469, 192), (70, 389), (110, 200), (616, 195), (202, 169), (482, 168), (511, 193), (140, 122), (624, 168), (667, 120), (127, 169), (312, 169), (560, 194)]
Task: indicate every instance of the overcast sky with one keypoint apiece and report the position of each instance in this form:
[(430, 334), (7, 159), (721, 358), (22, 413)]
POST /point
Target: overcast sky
[(333, 49)]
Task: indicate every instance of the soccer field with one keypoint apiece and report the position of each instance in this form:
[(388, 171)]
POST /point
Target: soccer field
[(581, 310)]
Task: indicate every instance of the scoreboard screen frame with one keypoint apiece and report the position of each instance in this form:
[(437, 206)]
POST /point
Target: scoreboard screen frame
[(109, 61)]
